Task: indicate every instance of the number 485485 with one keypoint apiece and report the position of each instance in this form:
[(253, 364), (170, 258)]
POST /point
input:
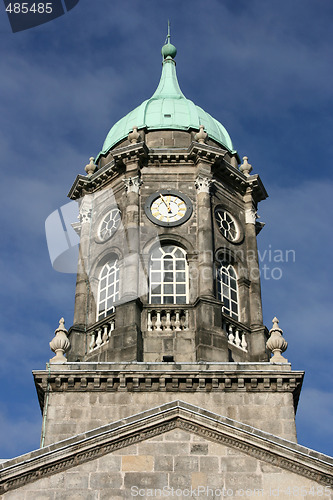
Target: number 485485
[(35, 8)]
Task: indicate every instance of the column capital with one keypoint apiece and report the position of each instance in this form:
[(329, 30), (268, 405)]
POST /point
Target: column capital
[(250, 216), (85, 210), (203, 184), (132, 184)]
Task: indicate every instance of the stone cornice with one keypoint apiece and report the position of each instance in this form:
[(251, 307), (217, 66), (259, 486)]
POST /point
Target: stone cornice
[(171, 377), (103, 175), (91, 445), (259, 192)]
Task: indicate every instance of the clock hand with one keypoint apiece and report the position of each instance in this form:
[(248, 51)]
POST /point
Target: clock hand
[(166, 203)]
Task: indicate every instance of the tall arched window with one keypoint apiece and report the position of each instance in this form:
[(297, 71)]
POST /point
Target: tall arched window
[(227, 290), (168, 276), (108, 288)]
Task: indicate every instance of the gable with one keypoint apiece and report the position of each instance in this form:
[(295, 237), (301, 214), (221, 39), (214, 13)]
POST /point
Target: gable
[(175, 446)]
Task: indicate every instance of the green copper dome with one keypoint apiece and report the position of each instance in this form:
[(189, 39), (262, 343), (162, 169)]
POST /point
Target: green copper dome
[(169, 109)]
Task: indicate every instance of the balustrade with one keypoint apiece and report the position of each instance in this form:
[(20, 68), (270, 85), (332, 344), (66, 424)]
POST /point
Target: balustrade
[(101, 333), (235, 333), (167, 320)]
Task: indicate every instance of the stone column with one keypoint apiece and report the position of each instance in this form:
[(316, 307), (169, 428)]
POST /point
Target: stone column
[(252, 260), (131, 225), (82, 279), (205, 237), (257, 341)]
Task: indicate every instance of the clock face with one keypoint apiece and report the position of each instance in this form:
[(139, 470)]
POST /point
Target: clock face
[(227, 224), (168, 208), (109, 224)]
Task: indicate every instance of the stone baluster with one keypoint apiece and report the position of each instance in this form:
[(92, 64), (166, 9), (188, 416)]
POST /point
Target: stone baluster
[(158, 324), (112, 326), (177, 322), (168, 321), (244, 343), (105, 337), (99, 337), (92, 344), (237, 338), (149, 322), (231, 336), (186, 320)]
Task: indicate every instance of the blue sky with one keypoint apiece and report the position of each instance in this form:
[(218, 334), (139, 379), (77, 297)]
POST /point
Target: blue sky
[(264, 69)]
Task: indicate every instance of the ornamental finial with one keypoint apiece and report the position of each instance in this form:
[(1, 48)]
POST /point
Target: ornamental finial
[(201, 136), (245, 167), (60, 343), (134, 135), (168, 50), (276, 343), (91, 167)]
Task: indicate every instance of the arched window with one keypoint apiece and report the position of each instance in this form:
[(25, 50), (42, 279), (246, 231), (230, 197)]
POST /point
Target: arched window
[(108, 288), (168, 276), (227, 290)]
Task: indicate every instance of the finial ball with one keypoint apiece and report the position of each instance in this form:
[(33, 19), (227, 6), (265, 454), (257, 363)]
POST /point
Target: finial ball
[(169, 50)]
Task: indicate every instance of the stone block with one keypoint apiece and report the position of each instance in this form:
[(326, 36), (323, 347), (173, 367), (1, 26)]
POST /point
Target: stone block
[(137, 463), (198, 479), (238, 480), (110, 463), (128, 450), (175, 449), (76, 495), (105, 480), (114, 494), (199, 449), (186, 463), (177, 435), (208, 464), (240, 464), (75, 480), (164, 463), (145, 479), (178, 480)]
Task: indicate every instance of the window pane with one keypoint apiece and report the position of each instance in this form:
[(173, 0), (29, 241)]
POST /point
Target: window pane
[(181, 299), (180, 264), (180, 277), (180, 289), (233, 307), (156, 290), (156, 300), (168, 299), (155, 277), (168, 264), (168, 289), (178, 253), (168, 277)]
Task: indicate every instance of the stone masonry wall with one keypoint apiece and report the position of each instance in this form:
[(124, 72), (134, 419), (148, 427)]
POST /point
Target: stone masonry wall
[(170, 465), (70, 413)]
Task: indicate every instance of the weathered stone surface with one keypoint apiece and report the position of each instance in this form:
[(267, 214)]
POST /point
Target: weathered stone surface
[(169, 464)]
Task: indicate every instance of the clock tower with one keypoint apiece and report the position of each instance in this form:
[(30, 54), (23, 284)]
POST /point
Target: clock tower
[(171, 384), (168, 301)]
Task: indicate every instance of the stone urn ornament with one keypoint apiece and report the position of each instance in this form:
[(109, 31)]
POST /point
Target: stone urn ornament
[(60, 344), (276, 343)]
